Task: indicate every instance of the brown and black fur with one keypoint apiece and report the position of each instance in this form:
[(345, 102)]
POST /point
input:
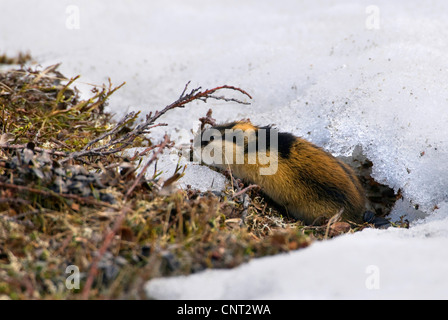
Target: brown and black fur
[(309, 182)]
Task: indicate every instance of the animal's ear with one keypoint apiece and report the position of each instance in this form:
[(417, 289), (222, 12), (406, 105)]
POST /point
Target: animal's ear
[(244, 125)]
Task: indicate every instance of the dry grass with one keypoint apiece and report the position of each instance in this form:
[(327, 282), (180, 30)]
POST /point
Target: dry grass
[(62, 204), (68, 196)]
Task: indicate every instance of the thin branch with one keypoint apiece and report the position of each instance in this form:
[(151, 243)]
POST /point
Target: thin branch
[(46, 71), (185, 90), (207, 119), (118, 222), (252, 186), (106, 243), (118, 126), (14, 200), (8, 146), (155, 154), (195, 94), (331, 221), (127, 139), (86, 200)]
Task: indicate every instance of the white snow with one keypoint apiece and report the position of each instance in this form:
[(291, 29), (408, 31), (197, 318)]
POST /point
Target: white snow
[(339, 73), (373, 264)]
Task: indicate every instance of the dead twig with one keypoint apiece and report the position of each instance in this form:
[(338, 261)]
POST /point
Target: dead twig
[(240, 192), (119, 221), (8, 146), (155, 154), (207, 119), (14, 200), (244, 198), (85, 200), (46, 71), (332, 220), (106, 243), (120, 143)]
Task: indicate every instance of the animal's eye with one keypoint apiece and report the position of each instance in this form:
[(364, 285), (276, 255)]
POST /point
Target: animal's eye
[(212, 138)]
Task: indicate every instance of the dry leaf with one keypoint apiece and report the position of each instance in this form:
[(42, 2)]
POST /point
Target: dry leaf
[(6, 138)]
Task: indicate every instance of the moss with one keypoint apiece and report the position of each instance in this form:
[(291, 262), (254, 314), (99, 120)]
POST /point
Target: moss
[(61, 207)]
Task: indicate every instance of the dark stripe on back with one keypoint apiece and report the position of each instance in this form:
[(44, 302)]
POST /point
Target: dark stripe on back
[(285, 141), (285, 144)]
